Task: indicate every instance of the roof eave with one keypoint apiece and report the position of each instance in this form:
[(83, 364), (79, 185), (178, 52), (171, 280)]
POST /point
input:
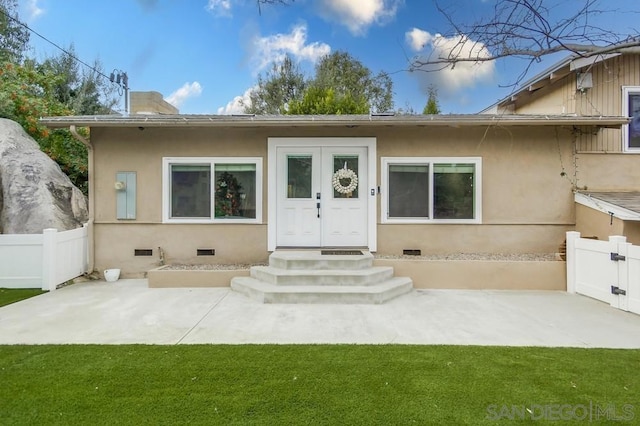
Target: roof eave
[(469, 120)]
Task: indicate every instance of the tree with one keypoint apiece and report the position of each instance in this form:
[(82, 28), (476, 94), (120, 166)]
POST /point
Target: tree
[(432, 106), (529, 29), (348, 76), (341, 83), (273, 93), (56, 86), (28, 93), (323, 101), (14, 37), (86, 91)]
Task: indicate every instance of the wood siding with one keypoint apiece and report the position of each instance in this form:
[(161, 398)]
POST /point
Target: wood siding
[(604, 98)]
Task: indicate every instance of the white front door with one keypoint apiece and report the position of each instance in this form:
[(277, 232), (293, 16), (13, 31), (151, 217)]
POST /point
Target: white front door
[(316, 210)]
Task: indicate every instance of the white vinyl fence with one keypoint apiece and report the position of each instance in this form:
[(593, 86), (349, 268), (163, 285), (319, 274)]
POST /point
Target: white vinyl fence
[(42, 260), (604, 270)]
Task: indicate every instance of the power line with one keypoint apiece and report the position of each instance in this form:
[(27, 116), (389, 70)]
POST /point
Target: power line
[(56, 45)]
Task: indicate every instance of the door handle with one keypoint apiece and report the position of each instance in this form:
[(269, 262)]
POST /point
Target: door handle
[(318, 203)]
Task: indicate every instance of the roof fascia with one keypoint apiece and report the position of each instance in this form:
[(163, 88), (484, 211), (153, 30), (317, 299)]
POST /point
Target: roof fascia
[(468, 120), (605, 207)]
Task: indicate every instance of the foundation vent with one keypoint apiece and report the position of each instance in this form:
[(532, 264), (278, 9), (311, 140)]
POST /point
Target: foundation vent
[(206, 252), (412, 252), (143, 252)]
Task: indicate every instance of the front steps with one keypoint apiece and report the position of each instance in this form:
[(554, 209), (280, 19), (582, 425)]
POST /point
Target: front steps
[(312, 277)]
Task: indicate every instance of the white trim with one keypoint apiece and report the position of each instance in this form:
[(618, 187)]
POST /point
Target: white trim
[(366, 142), (606, 207), (626, 91), (212, 161), (476, 161)]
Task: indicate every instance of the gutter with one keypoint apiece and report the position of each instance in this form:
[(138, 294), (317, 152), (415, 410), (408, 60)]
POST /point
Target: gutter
[(178, 121), (91, 201)]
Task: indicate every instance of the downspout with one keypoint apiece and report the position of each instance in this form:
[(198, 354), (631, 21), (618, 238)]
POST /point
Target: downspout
[(91, 201)]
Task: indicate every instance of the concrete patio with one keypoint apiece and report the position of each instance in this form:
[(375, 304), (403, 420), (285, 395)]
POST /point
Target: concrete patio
[(127, 311)]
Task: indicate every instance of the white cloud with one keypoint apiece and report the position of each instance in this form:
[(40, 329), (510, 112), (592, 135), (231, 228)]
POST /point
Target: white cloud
[(236, 106), (274, 48), (359, 15), (417, 39), (446, 78), (219, 7), (33, 10), (188, 90)]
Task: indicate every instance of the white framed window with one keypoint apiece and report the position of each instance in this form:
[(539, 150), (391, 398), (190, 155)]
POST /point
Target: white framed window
[(212, 190), (431, 190), (631, 109)]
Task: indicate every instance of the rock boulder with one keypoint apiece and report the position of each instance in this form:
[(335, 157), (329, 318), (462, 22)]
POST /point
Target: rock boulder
[(34, 193)]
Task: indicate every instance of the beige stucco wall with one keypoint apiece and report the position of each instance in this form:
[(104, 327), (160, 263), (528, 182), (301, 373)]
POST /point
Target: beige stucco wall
[(527, 204), (593, 223), (608, 172), (632, 232)]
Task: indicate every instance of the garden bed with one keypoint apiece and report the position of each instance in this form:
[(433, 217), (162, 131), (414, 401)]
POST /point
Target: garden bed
[(479, 271), (522, 271), (208, 275)]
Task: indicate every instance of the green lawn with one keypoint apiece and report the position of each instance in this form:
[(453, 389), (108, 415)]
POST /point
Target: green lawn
[(315, 384), (12, 295)]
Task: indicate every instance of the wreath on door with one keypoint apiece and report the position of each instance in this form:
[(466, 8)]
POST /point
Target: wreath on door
[(345, 181)]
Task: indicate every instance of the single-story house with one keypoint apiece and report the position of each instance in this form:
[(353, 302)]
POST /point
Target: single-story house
[(193, 189)]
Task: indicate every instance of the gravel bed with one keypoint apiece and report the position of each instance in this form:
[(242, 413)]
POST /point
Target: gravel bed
[(211, 267), (535, 257)]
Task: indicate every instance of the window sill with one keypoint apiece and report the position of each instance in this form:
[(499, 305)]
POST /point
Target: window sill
[(431, 222)]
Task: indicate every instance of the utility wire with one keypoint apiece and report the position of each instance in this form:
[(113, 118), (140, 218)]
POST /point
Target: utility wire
[(56, 45)]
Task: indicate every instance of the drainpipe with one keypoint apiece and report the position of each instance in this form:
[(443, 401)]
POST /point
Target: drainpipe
[(91, 202)]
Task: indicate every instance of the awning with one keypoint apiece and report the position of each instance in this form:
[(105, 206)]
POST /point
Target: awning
[(622, 205)]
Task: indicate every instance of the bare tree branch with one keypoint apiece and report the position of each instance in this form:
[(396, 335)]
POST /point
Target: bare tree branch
[(261, 2), (527, 29)]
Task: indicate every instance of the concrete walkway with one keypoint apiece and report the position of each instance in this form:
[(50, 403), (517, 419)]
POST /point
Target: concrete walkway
[(129, 312)]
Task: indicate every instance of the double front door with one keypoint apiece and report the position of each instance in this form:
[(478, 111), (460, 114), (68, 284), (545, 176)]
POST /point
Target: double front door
[(322, 196)]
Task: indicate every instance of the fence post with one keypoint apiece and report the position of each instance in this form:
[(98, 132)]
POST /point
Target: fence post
[(85, 248), (49, 241), (572, 237)]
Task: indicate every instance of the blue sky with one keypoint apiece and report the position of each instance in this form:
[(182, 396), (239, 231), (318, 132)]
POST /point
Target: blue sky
[(204, 55)]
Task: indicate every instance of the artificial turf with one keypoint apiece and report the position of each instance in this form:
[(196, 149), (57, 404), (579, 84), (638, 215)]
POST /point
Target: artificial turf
[(12, 295), (316, 384)]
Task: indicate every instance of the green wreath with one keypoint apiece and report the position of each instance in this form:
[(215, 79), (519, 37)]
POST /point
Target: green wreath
[(227, 199)]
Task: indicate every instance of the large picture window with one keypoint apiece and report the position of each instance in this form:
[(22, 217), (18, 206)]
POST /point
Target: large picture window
[(631, 109), (425, 190), (223, 190)]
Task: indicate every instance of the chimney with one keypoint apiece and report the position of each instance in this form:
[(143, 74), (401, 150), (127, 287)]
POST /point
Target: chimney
[(150, 103)]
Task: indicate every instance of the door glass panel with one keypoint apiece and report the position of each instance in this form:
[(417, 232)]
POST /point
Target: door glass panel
[(299, 176), (345, 183)]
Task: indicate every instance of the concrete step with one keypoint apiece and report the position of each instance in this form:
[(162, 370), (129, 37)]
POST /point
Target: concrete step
[(314, 259), (269, 293), (322, 277)]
